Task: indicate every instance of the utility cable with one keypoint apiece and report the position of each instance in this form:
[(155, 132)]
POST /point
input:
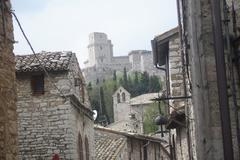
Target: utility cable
[(34, 53)]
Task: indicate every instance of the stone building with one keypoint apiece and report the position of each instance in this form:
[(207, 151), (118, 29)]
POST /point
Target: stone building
[(118, 145), (102, 63), (54, 114), (8, 115), (129, 112), (204, 83), (168, 54)]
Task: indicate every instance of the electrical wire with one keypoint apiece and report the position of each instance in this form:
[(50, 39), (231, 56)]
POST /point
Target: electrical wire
[(177, 111), (35, 55), (42, 66)]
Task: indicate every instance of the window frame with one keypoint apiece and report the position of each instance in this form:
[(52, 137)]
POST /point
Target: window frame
[(37, 84)]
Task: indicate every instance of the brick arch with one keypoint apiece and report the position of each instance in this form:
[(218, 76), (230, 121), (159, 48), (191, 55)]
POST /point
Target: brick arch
[(80, 146)]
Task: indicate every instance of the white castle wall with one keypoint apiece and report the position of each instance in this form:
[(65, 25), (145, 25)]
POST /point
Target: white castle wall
[(101, 63), (99, 49)]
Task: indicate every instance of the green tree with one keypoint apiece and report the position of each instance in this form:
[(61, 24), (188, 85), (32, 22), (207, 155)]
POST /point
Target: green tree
[(137, 84), (125, 78), (136, 81), (121, 81), (97, 81), (114, 75), (154, 84), (89, 86), (103, 110), (150, 114), (144, 81)]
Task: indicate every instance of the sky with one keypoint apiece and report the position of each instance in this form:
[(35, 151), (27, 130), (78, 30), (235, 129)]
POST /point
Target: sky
[(64, 25)]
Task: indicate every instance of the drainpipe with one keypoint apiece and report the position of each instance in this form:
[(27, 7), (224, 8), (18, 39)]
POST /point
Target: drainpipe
[(222, 80)]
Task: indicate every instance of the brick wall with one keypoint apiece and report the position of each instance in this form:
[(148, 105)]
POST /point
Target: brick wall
[(8, 116)]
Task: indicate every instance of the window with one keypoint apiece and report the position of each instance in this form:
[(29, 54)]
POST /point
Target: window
[(87, 148), (118, 98), (37, 83), (123, 97), (100, 47), (80, 147), (77, 81)]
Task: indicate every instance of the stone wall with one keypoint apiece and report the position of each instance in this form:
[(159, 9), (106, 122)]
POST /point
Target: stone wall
[(205, 110), (177, 90), (147, 65), (135, 60), (99, 49), (8, 116), (101, 63), (51, 123)]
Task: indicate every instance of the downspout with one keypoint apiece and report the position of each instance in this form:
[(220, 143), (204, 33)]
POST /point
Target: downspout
[(222, 80)]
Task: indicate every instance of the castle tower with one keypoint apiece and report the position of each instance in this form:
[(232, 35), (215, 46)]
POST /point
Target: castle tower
[(100, 49)]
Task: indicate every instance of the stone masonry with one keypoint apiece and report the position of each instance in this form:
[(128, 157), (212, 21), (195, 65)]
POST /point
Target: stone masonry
[(168, 44), (57, 121), (129, 113), (198, 33), (102, 63), (8, 115)]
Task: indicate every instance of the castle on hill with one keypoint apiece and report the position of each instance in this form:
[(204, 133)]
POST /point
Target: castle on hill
[(101, 63)]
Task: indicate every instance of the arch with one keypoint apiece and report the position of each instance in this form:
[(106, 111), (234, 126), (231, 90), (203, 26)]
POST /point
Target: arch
[(87, 148), (123, 97), (80, 146), (118, 98)]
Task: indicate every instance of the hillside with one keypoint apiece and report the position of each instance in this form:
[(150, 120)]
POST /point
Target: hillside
[(136, 83)]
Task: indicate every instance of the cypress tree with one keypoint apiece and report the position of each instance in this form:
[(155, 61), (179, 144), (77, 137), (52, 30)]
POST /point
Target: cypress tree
[(89, 86), (103, 104), (125, 78), (154, 84), (114, 75)]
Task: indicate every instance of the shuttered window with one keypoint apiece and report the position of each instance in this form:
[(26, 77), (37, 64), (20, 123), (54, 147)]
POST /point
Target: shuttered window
[(37, 83)]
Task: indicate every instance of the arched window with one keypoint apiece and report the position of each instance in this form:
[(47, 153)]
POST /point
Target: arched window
[(87, 148), (80, 147), (123, 97), (118, 98)]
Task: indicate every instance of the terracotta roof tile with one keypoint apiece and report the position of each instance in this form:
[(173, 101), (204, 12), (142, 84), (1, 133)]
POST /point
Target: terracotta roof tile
[(108, 148), (52, 61)]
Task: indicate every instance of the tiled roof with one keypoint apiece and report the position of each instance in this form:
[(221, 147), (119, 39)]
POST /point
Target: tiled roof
[(108, 148), (144, 98), (130, 134), (52, 61)]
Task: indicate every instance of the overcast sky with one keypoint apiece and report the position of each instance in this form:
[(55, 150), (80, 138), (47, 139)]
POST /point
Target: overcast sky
[(64, 25)]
